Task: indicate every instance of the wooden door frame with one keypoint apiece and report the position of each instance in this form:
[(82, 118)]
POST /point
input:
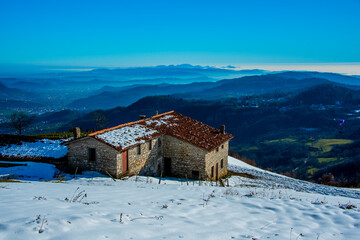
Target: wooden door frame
[(125, 161), (217, 171)]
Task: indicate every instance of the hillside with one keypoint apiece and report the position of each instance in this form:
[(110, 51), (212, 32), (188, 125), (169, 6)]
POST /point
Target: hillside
[(260, 123), (327, 95), (127, 96), (267, 206), (252, 85), (13, 93), (249, 85), (16, 104), (333, 77)]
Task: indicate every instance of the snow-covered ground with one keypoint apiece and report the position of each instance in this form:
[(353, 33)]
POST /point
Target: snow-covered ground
[(266, 179), (41, 148), (96, 207)]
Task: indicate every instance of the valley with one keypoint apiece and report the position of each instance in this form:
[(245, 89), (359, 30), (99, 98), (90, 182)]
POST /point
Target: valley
[(287, 122)]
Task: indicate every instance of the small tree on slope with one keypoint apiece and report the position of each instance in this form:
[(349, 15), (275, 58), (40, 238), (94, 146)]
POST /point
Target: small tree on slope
[(19, 121)]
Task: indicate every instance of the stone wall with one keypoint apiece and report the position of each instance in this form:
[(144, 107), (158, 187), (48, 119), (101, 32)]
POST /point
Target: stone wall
[(105, 160), (147, 162), (185, 157), (215, 156)]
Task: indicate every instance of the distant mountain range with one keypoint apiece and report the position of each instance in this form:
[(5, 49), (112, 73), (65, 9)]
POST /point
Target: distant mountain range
[(58, 89), (333, 77), (248, 85), (126, 96), (215, 111)]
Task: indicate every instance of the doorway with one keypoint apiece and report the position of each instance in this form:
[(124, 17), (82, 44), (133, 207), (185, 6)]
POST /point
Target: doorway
[(167, 167), (216, 171)]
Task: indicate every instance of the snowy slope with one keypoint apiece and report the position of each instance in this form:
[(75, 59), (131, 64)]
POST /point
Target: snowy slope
[(41, 148), (176, 210), (272, 180)]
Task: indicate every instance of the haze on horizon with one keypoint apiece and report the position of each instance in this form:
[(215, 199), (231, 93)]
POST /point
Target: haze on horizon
[(272, 35)]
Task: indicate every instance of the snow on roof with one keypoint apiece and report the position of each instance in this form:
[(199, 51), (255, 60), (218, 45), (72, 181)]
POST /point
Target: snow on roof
[(161, 121), (175, 124), (126, 136)]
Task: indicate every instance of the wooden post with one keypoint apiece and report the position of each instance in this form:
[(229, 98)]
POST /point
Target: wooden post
[(187, 183), (160, 176), (221, 182), (75, 172), (110, 176)]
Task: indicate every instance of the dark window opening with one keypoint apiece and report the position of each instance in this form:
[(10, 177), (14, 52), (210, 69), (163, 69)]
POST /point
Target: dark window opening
[(159, 142), (92, 154), (195, 174), (139, 149), (222, 146), (212, 171), (222, 163), (217, 149), (150, 145)]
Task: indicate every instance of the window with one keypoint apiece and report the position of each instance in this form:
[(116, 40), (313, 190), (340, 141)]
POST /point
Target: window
[(150, 144), (92, 154), (195, 174), (139, 149), (222, 163), (217, 149), (212, 171), (159, 142), (222, 146)]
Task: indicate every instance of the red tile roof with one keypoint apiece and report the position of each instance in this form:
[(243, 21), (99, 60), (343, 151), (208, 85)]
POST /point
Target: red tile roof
[(172, 123)]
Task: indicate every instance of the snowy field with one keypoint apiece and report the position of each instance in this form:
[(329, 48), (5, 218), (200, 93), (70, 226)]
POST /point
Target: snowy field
[(93, 206), (41, 148)]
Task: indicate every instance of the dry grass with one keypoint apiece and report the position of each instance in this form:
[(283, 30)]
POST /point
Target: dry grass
[(245, 175), (8, 180)]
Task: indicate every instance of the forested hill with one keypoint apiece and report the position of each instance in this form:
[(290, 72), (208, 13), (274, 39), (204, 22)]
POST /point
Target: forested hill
[(278, 131)]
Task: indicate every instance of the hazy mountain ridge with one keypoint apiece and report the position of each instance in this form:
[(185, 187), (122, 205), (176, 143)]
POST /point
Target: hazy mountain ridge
[(14, 93), (58, 89), (127, 96), (248, 85), (334, 77)]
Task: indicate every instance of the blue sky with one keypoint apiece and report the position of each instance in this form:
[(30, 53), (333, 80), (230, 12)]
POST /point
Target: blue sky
[(135, 33)]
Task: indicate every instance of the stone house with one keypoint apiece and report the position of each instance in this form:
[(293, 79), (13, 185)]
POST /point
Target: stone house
[(168, 144)]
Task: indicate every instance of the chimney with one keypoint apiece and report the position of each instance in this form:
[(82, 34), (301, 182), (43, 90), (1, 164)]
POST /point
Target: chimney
[(157, 112), (142, 116), (76, 132), (222, 129)]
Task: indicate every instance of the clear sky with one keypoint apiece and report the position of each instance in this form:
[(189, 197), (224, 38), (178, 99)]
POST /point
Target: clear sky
[(116, 33)]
